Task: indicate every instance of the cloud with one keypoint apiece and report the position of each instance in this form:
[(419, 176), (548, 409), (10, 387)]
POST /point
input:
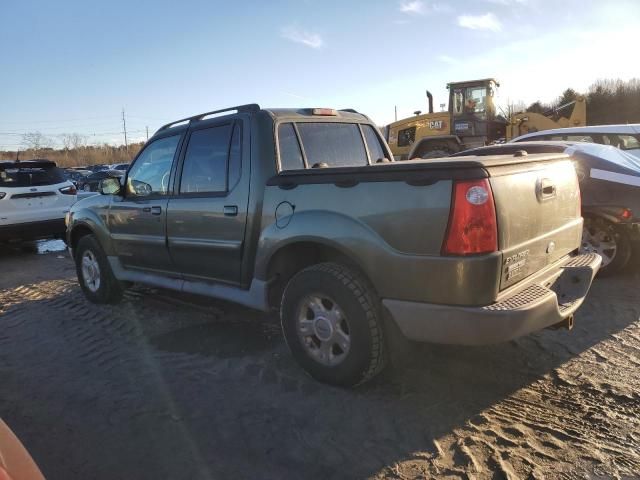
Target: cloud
[(297, 35), (413, 7), (488, 21)]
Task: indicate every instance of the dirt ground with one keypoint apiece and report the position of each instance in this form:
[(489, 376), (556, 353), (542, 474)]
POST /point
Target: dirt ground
[(169, 387)]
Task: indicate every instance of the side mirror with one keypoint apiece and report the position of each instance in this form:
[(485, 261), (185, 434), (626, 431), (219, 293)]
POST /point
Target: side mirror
[(110, 186)]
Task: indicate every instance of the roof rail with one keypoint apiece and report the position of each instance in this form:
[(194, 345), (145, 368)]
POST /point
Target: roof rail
[(350, 110), (249, 108)]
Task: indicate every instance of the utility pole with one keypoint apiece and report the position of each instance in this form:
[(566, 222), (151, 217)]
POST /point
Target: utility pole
[(124, 129), (395, 107), (147, 127)]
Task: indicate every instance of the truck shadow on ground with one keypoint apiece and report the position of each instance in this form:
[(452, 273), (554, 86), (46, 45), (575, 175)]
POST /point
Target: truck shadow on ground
[(192, 388), (401, 415)]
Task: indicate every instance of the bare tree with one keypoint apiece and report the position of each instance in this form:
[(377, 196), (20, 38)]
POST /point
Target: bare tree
[(35, 141), (511, 108), (73, 145)]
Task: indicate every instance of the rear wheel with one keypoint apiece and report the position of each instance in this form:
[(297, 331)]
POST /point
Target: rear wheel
[(331, 319), (610, 241), (94, 272)]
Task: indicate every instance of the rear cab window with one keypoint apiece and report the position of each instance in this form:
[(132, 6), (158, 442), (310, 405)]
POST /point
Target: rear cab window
[(327, 144), (14, 175)]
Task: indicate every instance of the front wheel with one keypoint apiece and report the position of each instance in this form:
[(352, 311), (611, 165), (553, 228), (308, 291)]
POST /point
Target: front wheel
[(94, 272), (611, 242), (331, 319)]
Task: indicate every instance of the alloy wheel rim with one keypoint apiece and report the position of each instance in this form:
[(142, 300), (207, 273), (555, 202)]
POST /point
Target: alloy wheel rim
[(600, 241), (90, 271), (323, 330)]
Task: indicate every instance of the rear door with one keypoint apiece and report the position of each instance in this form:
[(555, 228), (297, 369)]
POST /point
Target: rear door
[(206, 217), (137, 220)]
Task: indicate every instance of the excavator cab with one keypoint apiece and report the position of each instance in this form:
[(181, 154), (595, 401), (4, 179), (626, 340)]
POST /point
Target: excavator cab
[(473, 112)]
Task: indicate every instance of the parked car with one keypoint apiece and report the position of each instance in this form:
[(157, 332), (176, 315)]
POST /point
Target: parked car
[(98, 168), (610, 185), (301, 211), (35, 196), (76, 176), (91, 182), (119, 166), (624, 137)]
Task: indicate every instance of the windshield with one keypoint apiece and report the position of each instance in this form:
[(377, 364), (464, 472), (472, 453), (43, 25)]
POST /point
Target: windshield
[(475, 100)]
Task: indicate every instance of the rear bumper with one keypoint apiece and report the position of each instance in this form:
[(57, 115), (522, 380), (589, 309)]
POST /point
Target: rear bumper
[(545, 300), (33, 230)]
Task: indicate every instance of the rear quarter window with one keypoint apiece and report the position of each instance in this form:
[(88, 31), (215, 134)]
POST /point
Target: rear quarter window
[(290, 154), (30, 176), (376, 152)]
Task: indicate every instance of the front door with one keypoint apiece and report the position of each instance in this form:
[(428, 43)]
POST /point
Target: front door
[(207, 214), (137, 220)]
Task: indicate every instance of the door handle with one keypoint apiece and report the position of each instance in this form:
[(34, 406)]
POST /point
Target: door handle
[(230, 210), (156, 210)]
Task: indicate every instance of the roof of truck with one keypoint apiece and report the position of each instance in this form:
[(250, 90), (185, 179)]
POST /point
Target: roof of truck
[(328, 114)]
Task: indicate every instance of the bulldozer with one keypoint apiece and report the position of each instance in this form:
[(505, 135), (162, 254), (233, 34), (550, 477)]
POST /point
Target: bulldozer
[(471, 121)]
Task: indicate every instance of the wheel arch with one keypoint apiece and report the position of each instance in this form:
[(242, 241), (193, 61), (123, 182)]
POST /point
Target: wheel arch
[(450, 141), (87, 225), (298, 254)]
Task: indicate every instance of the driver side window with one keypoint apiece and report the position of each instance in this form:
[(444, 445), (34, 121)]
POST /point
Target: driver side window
[(149, 175)]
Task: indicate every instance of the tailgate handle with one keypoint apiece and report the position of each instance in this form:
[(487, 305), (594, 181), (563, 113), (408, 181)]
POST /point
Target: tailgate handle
[(546, 189)]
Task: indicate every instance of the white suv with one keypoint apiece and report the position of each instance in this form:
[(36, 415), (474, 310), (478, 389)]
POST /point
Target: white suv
[(34, 199)]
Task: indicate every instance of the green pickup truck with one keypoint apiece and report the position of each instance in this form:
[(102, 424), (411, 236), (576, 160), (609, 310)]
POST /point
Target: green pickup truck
[(302, 211)]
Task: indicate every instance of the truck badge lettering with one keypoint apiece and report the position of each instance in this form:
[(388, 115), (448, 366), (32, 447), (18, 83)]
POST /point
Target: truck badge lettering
[(435, 124), (516, 264)]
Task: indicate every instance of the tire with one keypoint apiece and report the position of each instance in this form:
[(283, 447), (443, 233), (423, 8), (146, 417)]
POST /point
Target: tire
[(348, 307), (611, 241), (438, 152), (91, 261)]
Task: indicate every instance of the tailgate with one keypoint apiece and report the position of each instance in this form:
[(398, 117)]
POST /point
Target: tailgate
[(538, 213)]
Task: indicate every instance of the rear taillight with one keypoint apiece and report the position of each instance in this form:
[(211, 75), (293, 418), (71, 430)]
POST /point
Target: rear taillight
[(473, 228), (70, 190), (2, 195)]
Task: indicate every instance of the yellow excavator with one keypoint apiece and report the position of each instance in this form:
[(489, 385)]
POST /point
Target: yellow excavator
[(472, 121)]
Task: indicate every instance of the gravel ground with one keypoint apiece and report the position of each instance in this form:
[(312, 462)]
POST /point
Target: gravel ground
[(174, 387)]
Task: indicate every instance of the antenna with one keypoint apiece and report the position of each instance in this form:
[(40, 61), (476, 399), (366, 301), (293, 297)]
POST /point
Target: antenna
[(124, 129)]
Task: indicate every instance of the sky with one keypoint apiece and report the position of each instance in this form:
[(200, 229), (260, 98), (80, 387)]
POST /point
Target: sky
[(72, 66)]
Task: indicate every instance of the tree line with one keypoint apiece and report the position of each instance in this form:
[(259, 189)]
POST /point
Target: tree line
[(608, 102), (75, 151)]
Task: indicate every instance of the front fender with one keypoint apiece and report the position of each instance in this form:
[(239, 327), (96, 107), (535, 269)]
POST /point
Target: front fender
[(345, 234), (92, 213)]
